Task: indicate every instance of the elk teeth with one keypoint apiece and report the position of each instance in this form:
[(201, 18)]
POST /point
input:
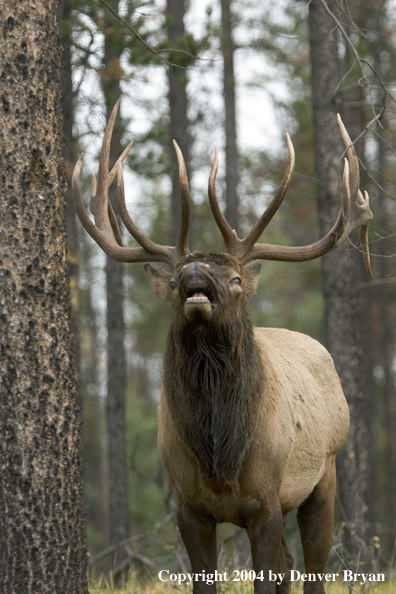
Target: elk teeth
[(192, 299)]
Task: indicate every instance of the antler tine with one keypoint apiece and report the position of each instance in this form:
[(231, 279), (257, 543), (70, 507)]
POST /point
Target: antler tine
[(111, 214), (364, 246), (275, 203), (100, 206), (229, 235), (360, 212), (354, 175), (355, 211), (346, 194), (99, 201), (120, 159), (241, 247), (104, 238), (162, 253), (105, 231), (111, 176), (182, 247)]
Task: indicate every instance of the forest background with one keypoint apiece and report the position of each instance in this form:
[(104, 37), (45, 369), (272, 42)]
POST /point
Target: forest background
[(238, 76)]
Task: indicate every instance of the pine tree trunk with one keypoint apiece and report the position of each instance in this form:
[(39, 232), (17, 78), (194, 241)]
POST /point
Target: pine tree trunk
[(344, 313), (242, 545), (231, 151), (384, 300), (42, 528), (178, 126), (70, 160), (94, 434), (383, 294), (116, 365)]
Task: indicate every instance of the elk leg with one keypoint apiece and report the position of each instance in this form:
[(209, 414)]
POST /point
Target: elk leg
[(315, 520), (265, 535), (198, 532), (285, 565)]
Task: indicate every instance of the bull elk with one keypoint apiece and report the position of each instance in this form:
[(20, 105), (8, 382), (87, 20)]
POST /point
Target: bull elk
[(251, 419)]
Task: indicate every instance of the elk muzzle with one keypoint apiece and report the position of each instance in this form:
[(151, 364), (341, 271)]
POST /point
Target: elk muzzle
[(197, 291)]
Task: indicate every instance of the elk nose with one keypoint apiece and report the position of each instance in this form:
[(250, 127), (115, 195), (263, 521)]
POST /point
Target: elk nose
[(194, 281), (193, 271), (193, 276)]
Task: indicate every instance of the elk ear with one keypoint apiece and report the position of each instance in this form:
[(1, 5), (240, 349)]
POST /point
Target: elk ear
[(159, 279), (252, 271)]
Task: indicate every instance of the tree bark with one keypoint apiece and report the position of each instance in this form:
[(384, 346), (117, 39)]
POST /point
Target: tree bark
[(383, 293), (242, 546), (384, 300), (116, 365), (231, 149), (344, 315), (94, 434), (42, 528), (178, 104)]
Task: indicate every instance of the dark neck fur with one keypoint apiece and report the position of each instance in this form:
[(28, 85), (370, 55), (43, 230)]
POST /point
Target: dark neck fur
[(213, 380)]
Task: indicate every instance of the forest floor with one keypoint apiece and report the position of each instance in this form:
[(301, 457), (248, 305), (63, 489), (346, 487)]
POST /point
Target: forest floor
[(102, 586)]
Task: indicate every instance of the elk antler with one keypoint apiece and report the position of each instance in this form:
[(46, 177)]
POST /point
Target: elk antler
[(355, 211), (105, 231)]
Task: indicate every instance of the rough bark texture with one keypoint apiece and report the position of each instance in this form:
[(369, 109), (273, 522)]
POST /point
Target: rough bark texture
[(344, 313), (42, 527), (116, 381), (177, 108), (230, 118)]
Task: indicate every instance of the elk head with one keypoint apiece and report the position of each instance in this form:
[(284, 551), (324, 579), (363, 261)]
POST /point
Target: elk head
[(206, 286), (197, 281)]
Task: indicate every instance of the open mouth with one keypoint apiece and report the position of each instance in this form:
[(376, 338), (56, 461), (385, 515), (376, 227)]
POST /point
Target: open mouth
[(198, 295), (203, 295)]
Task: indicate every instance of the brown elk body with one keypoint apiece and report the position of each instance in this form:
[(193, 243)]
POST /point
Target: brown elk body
[(251, 419)]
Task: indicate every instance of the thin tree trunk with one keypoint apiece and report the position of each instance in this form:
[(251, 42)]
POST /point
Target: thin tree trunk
[(353, 115), (95, 470), (116, 366), (384, 299), (231, 150), (42, 528), (178, 103), (344, 315), (242, 546), (69, 160), (385, 344)]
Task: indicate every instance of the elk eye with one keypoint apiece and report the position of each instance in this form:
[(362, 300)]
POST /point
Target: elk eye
[(172, 285), (235, 281)]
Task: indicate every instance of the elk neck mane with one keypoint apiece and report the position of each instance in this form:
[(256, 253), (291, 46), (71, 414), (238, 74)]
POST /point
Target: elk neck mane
[(213, 380)]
